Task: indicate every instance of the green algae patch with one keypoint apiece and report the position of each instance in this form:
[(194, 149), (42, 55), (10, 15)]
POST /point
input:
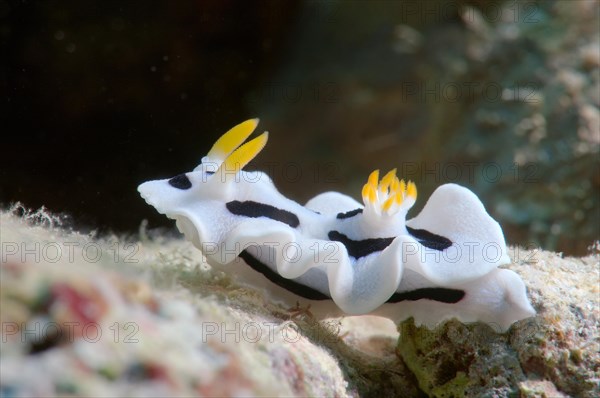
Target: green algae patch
[(456, 360)]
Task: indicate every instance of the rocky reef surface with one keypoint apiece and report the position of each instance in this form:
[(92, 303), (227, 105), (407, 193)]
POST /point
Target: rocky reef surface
[(145, 316)]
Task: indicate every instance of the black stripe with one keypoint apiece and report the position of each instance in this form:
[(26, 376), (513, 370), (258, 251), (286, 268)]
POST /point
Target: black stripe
[(429, 239), (440, 294), (444, 295), (349, 214), (255, 209), (288, 284), (426, 238), (180, 182), (360, 248)]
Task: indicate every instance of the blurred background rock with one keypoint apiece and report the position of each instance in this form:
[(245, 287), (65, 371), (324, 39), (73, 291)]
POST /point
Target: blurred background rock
[(500, 96)]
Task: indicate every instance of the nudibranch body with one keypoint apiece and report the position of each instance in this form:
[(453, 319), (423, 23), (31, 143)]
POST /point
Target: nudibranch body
[(339, 255)]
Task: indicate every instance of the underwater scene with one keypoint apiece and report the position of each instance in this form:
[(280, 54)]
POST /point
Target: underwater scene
[(300, 198)]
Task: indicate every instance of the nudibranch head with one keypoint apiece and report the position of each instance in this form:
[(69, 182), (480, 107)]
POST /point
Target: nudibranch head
[(214, 177)]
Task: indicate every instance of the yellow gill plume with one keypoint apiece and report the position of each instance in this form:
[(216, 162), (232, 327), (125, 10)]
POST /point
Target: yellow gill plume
[(369, 191), (389, 195)]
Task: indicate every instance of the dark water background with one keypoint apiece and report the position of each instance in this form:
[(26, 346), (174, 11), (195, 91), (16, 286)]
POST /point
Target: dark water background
[(500, 96)]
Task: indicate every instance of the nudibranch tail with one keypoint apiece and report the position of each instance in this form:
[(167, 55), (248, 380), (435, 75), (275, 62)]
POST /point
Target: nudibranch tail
[(388, 196), (242, 156), (232, 139)]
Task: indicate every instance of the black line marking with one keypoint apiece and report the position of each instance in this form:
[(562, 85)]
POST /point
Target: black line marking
[(255, 209), (441, 294), (429, 239), (349, 214), (180, 182), (288, 284), (426, 238), (360, 248)]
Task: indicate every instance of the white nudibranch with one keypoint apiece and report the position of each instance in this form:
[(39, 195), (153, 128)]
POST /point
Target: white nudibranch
[(335, 253)]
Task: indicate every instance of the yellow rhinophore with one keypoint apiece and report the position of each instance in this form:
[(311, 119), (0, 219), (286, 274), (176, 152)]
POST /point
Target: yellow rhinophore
[(389, 195), (244, 154), (231, 140)]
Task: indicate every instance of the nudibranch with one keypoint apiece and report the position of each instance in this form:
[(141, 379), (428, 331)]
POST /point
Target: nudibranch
[(341, 256)]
